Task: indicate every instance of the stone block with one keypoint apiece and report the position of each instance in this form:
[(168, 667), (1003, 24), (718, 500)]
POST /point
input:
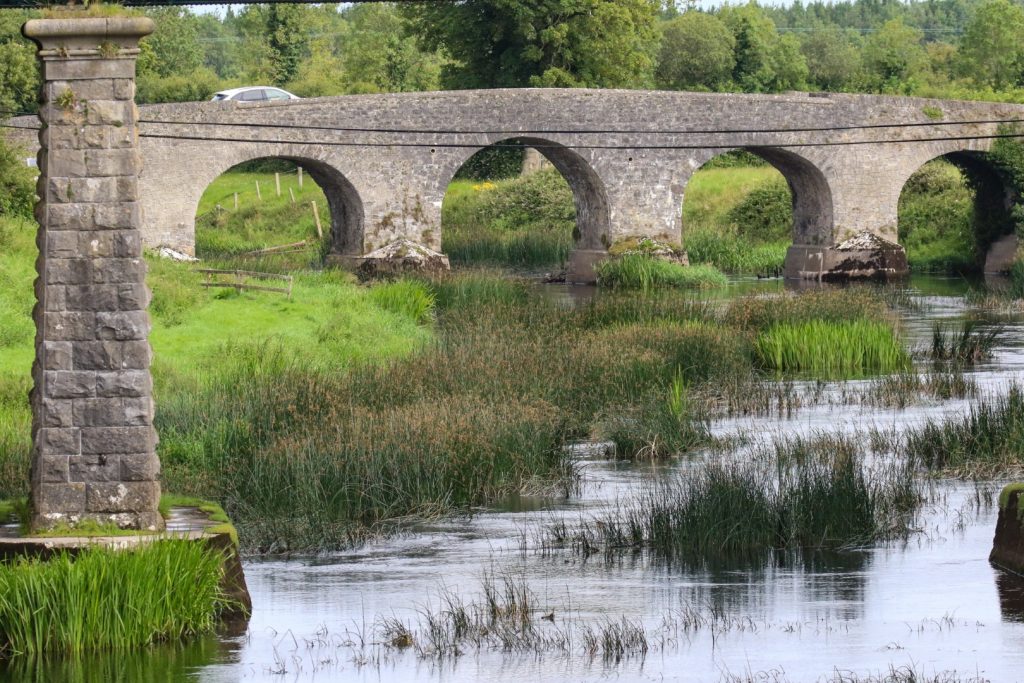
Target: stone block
[(85, 190), (95, 137), (58, 441), (118, 216), (140, 467), (68, 271), (53, 298), (57, 355), (91, 298), (118, 270), (112, 162), (70, 326), (108, 440), (62, 244), (103, 89), (62, 137), (97, 355), (1008, 544), (132, 297), (132, 496), (136, 355), (88, 69), (95, 468), (66, 216), (63, 498), (138, 412), (99, 412), (124, 89), (69, 384), (52, 469), (53, 412), (111, 112), (110, 243), (122, 325), (124, 383), (67, 163)]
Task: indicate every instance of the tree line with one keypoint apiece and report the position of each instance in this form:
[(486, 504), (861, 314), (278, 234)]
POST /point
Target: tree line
[(969, 49)]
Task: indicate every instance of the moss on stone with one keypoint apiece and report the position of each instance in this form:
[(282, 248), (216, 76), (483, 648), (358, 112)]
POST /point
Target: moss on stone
[(213, 511), (1004, 498)]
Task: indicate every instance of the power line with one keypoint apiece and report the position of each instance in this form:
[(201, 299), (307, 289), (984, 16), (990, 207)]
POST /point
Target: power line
[(450, 145), (580, 131)]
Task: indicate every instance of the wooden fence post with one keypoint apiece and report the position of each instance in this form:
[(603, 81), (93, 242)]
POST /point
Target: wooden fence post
[(316, 217)]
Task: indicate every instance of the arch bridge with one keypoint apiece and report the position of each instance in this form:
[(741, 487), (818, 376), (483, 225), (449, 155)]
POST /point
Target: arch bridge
[(385, 161)]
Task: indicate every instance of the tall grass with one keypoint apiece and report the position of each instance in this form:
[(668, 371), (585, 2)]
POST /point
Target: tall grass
[(644, 273), (734, 254), (969, 344), (831, 349), (106, 599), (990, 437), (810, 493), (410, 298), (756, 312), (525, 222)]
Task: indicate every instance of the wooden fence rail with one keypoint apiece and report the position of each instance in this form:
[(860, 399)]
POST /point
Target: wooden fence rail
[(241, 277)]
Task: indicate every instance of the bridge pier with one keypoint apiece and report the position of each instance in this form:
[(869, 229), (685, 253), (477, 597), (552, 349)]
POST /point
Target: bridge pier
[(94, 446)]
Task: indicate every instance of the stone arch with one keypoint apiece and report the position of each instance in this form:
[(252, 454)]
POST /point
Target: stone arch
[(343, 199), (813, 222), (590, 197), (994, 197)]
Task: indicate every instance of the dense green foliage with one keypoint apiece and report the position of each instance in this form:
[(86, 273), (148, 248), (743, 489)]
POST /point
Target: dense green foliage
[(105, 599), (949, 48), (523, 222)]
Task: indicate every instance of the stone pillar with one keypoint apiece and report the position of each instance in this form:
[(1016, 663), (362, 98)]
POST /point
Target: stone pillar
[(94, 446)]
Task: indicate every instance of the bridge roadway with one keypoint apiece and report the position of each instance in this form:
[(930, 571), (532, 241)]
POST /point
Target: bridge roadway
[(384, 161)]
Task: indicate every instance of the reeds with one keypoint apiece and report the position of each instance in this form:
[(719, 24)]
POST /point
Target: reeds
[(970, 344), (105, 599), (848, 348), (989, 438), (410, 298), (809, 493), (644, 273)]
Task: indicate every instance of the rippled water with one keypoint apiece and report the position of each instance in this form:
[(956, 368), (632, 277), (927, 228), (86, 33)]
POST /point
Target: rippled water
[(931, 604)]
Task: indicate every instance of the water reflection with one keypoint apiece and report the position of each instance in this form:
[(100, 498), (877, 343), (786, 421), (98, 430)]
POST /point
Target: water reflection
[(1011, 595), (157, 664)]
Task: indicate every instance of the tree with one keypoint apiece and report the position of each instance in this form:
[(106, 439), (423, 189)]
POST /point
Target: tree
[(765, 61), (173, 48), (696, 53), (833, 60), (287, 37), (893, 57), (991, 50), (515, 43), (19, 71)]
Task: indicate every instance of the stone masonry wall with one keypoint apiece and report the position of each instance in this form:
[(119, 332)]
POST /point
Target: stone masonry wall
[(93, 439)]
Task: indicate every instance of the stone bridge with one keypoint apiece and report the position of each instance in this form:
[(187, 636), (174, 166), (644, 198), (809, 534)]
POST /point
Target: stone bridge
[(385, 161)]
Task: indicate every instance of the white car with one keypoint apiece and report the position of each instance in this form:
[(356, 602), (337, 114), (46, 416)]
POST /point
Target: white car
[(258, 93)]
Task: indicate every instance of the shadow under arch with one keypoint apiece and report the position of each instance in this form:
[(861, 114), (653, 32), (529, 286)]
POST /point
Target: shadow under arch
[(994, 198), (343, 200), (813, 222), (590, 197)]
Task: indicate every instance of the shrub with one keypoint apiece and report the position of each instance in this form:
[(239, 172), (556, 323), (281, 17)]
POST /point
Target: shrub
[(17, 184), (638, 271), (766, 214)]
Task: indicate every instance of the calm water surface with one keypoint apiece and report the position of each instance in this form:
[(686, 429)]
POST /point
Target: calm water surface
[(931, 604)]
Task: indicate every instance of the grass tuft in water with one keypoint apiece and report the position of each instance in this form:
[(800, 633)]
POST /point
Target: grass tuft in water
[(848, 348), (643, 272), (105, 599), (808, 494), (990, 438), (970, 344)]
